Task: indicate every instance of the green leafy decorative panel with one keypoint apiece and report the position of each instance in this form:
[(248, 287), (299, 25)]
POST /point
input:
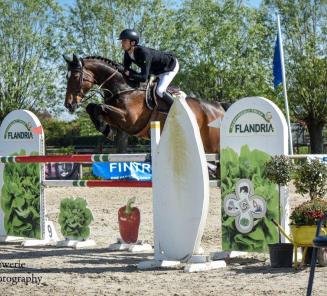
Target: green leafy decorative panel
[(20, 199), (249, 201)]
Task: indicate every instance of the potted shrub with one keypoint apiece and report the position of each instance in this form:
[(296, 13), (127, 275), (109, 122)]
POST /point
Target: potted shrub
[(310, 178), (304, 218), (278, 170)]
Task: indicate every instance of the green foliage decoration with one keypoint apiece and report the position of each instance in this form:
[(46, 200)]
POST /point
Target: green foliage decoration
[(248, 165), (20, 199), (75, 218)]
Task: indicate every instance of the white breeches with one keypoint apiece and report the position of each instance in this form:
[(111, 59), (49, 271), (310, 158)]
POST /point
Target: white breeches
[(165, 79)]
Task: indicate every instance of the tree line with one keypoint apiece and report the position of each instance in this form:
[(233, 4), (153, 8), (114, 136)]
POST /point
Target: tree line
[(225, 49)]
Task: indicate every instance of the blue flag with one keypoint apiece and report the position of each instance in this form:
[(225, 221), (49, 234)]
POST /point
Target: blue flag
[(277, 64)]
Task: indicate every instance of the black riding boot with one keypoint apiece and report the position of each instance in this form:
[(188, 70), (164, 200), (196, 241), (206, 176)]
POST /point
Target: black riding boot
[(168, 99)]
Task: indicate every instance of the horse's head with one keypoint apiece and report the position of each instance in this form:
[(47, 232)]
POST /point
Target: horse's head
[(79, 82)]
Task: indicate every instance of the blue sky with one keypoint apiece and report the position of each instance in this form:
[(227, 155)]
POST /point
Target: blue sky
[(254, 3)]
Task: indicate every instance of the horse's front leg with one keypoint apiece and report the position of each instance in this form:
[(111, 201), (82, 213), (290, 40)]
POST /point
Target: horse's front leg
[(95, 112)]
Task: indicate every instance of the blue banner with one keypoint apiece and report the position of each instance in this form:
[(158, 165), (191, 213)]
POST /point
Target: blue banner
[(277, 64), (140, 171), (322, 157)]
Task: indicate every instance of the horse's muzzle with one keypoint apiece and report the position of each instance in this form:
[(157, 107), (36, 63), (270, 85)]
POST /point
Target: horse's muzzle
[(73, 102), (71, 107)]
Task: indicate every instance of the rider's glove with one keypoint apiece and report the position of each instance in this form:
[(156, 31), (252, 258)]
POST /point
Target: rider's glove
[(120, 68)]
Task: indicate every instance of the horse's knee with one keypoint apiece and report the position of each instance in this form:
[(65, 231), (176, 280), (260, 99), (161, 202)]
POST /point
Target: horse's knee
[(95, 111), (90, 108)]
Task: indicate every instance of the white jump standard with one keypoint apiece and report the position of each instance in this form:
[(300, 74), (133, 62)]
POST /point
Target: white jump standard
[(180, 192)]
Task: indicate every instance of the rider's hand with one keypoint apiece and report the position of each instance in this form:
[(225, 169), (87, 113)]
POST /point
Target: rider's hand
[(120, 68)]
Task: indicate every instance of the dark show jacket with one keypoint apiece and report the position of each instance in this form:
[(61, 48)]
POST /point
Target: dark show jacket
[(150, 61)]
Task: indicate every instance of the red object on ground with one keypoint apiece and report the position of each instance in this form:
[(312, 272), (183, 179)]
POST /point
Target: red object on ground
[(129, 221)]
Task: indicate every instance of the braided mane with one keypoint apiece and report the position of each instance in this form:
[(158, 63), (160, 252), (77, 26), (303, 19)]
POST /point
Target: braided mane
[(125, 83), (108, 61)]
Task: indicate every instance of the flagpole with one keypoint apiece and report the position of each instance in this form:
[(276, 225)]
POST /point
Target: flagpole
[(290, 141)]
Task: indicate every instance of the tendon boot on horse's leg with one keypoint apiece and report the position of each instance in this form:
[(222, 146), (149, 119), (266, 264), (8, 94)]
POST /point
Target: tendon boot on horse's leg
[(95, 113), (168, 99)]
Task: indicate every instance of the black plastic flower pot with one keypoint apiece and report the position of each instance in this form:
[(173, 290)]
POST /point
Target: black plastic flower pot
[(281, 255)]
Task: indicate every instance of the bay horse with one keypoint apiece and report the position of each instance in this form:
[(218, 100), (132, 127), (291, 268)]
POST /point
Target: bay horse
[(124, 105)]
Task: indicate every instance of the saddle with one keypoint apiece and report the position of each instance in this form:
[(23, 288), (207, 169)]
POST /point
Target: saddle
[(152, 100)]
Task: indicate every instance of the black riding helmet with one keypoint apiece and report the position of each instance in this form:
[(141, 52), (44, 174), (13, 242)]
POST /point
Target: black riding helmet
[(129, 34)]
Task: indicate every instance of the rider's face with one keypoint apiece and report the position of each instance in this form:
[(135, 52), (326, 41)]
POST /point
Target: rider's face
[(126, 44)]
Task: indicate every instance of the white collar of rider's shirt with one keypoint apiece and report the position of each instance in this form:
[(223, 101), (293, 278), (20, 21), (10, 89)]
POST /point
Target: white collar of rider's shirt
[(131, 55)]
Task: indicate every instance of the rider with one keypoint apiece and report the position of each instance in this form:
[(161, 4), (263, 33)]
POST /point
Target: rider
[(161, 64)]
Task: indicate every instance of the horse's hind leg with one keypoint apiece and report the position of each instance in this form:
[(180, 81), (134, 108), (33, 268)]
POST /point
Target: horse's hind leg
[(95, 112)]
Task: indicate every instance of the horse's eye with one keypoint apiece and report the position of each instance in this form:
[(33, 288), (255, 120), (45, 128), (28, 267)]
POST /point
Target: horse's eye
[(68, 74)]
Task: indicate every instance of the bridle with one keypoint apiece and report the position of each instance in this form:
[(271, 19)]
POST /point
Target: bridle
[(99, 89), (93, 92)]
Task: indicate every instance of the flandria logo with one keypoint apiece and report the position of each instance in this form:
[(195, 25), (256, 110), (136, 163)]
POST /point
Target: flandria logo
[(255, 122), (18, 133)]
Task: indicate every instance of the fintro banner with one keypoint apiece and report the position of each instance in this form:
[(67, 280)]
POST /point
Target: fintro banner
[(140, 171)]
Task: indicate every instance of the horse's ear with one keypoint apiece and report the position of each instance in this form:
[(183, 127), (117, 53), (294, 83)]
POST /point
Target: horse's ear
[(75, 58), (67, 58), (77, 61)]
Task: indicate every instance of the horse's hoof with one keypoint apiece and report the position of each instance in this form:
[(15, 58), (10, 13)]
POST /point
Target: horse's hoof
[(111, 135)]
